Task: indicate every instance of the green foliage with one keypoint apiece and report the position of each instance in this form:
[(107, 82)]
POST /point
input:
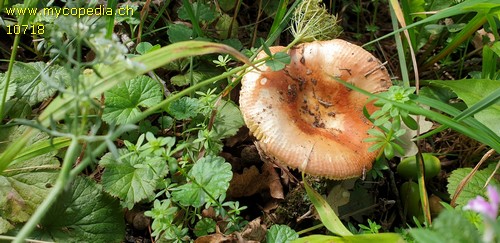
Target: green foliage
[(372, 227), (475, 187), (24, 184), (382, 237), (326, 213), (163, 214), (388, 118), (184, 108), (207, 181), (204, 227), (84, 213), (179, 32), (123, 103), (138, 170), (11, 89), (228, 119), (131, 178), (449, 226), (202, 11), (311, 21), (280, 233), (145, 47), (36, 81), (277, 61), (474, 92)]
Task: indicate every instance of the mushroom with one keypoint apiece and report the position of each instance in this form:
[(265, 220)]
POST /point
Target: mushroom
[(303, 118)]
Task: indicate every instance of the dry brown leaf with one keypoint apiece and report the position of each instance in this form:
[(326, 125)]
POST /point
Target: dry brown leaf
[(215, 238), (254, 231), (251, 181)]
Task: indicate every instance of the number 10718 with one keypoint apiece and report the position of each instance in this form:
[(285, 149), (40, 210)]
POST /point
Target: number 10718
[(25, 29)]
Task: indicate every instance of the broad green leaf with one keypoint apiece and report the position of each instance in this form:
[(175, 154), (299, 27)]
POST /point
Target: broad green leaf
[(326, 213), (204, 227), (449, 226), (11, 90), (280, 234), (208, 175), (203, 12), (278, 61), (227, 5), (111, 75), (178, 33), (228, 120), (185, 79), (184, 108), (225, 26), (84, 213), (30, 84), (17, 108), (24, 185), (475, 187), (143, 47), (472, 91), (382, 237), (124, 102), (132, 178)]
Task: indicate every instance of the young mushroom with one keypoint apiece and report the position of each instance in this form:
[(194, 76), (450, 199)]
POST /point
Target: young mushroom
[(303, 118)]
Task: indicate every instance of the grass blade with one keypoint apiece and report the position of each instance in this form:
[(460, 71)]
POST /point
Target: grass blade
[(326, 213)]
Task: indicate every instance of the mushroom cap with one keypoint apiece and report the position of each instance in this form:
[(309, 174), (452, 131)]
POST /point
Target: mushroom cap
[(304, 118)]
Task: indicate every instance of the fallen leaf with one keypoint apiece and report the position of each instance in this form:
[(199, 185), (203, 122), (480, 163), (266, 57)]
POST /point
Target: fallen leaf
[(215, 238), (251, 181), (254, 231)]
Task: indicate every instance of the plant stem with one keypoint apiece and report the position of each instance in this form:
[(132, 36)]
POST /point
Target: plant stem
[(62, 180), (22, 20)]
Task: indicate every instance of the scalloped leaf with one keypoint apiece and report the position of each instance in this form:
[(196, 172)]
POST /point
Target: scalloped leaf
[(132, 178), (84, 213), (30, 84), (124, 102), (280, 233), (228, 120), (211, 175), (475, 187), (184, 108)]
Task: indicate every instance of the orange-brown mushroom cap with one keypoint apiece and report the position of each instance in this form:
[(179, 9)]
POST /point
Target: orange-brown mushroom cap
[(304, 118)]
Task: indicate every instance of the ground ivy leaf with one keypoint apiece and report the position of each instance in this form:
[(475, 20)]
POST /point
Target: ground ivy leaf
[(30, 85), (474, 187), (228, 120), (84, 213), (280, 233), (211, 173), (184, 108), (124, 102), (133, 178)]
